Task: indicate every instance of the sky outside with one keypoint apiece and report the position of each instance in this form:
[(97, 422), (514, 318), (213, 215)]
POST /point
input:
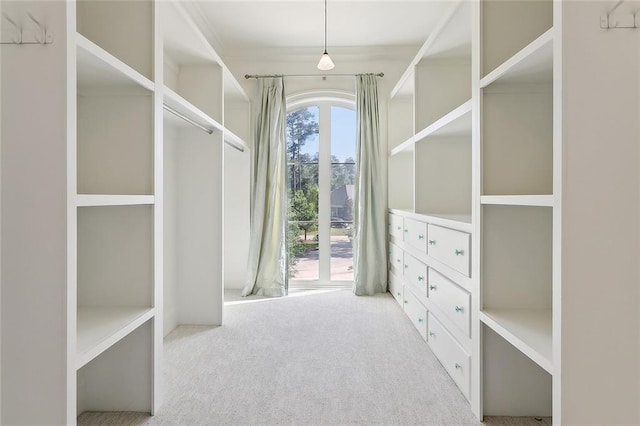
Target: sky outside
[(343, 133)]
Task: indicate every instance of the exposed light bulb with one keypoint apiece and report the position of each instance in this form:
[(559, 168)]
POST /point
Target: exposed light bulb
[(325, 63)]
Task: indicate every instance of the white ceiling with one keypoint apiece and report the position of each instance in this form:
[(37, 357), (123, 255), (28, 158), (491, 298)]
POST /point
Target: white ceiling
[(246, 28)]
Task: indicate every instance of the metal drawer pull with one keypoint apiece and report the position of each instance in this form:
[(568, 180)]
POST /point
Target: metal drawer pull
[(420, 237), (459, 252), (406, 301), (420, 278), (458, 309), (419, 319), (398, 260), (405, 229), (406, 266), (399, 228), (431, 334), (432, 287), (398, 293), (458, 366), (432, 242)]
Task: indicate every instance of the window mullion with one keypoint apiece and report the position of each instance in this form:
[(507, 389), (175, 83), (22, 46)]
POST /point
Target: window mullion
[(324, 213)]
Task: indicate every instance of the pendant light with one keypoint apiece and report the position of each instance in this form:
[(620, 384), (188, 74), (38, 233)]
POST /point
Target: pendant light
[(325, 63)]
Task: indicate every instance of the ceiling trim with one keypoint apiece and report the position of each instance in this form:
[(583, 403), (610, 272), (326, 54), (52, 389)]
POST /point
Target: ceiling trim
[(194, 9)]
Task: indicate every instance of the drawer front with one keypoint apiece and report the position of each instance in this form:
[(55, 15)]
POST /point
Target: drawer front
[(416, 312), (451, 299), (396, 288), (450, 247), (415, 272), (415, 234), (396, 227), (450, 353), (396, 259)]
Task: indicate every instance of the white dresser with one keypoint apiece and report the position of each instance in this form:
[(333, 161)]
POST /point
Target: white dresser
[(429, 276)]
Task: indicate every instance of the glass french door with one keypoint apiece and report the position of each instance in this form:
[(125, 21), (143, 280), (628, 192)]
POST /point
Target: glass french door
[(321, 145)]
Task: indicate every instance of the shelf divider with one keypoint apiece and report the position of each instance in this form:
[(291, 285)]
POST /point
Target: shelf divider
[(534, 59), (528, 330), (95, 200), (404, 146), (518, 200), (92, 60), (455, 123), (183, 106), (99, 328)]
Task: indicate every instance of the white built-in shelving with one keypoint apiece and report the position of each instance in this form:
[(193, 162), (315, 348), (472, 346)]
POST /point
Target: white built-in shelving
[(430, 161), (100, 328), (517, 202), (430, 123), (206, 110), (113, 233), (94, 200), (528, 330)]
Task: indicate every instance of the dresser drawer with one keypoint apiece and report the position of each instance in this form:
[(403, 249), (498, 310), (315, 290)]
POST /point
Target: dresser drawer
[(452, 300), (396, 256), (450, 247), (415, 234), (396, 288), (450, 353), (415, 272), (416, 312), (396, 227)]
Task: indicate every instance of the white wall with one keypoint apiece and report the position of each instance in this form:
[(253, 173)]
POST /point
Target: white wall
[(345, 64), (600, 228), (34, 217), (170, 229), (237, 184)]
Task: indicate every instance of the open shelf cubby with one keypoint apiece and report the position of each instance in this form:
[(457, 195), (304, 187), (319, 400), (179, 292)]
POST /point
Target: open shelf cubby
[(131, 40), (401, 180), (509, 26), (237, 111), (189, 58), (115, 144), (400, 119), (121, 377), (513, 385), (516, 277), (517, 139), (443, 74), (115, 256), (443, 175)]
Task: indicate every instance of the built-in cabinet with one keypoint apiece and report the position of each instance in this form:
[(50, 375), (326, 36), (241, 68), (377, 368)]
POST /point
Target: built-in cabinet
[(486, 133), (133, 182), (431, 218), (205, 110), (516, 139), (113, 239)]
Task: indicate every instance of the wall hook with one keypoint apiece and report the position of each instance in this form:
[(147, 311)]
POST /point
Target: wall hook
[(42, 37), (22, 36), (18, 30), (609, 21)]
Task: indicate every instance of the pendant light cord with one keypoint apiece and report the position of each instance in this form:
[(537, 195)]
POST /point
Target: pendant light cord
[(325, 26)]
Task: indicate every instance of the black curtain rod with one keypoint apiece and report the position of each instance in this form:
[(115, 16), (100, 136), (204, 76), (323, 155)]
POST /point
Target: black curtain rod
[(248, 76)]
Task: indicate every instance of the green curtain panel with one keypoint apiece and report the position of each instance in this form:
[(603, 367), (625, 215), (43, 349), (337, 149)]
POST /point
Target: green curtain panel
[(267, 253), (370, 247)]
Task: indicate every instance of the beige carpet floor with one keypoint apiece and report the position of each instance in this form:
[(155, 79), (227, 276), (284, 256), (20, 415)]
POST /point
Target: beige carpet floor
[(323, 357)]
